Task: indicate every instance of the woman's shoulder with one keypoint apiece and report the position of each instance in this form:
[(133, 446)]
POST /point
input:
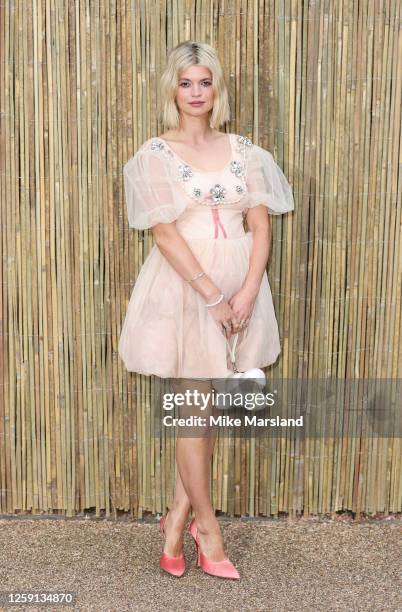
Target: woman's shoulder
[(155, 147), (143, 151), (242, 143), (147, 158), (171, 136)]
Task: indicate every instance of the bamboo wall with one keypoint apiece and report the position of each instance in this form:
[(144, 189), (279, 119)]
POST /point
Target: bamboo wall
[(316, 83)]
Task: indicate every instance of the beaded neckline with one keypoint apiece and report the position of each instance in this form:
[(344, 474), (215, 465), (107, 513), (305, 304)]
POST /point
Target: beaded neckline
[(199, 169), (217, 192)]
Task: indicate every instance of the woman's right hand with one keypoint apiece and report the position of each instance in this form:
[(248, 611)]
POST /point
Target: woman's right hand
[(222, 314)]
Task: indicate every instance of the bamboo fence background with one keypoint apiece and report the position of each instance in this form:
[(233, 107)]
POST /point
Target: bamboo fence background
[(316, 83)]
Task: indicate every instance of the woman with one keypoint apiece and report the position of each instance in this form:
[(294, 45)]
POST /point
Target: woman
[(204, 280)]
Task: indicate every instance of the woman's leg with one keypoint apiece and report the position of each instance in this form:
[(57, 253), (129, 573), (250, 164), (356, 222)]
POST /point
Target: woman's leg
[(181, 505), (176, 520), (194, 448)]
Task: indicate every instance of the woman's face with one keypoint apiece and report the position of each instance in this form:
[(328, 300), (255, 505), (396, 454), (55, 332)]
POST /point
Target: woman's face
[(195, 84)]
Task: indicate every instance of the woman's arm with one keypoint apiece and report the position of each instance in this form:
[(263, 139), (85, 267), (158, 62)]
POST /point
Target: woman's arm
[(176, 250), (243, 301), (259, 224)]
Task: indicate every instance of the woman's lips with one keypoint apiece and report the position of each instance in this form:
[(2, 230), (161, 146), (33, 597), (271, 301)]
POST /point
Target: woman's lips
[(196, 103)]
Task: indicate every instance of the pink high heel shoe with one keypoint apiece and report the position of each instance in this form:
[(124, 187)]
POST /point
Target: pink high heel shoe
[(173, 565), (223, 569)]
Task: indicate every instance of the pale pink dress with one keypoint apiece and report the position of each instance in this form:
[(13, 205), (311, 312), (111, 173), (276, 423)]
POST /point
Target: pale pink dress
[(167, 330)]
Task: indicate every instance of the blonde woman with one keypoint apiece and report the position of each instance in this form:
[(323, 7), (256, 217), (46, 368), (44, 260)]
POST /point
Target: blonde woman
[(205, 278)]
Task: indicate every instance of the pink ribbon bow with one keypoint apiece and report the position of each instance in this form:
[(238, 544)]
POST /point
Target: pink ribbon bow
[(217, 223)]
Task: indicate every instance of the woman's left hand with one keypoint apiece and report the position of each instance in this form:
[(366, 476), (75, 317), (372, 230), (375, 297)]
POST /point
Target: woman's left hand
[(242, 304)]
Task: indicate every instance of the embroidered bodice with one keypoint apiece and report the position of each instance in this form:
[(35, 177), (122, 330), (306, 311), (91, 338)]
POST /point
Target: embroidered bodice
[(160, 187), (228, 186)]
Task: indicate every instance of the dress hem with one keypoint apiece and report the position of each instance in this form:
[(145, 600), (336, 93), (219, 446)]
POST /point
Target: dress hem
[(146, 373)]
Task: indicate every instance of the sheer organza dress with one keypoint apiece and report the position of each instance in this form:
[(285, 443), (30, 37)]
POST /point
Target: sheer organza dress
[(167, 330)]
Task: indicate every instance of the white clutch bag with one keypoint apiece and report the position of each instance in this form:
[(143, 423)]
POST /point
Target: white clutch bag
[(254, 373), (244, 383)]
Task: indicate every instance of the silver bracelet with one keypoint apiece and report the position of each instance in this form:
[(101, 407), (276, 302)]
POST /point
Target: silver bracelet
[(218, 301), (195, 277)]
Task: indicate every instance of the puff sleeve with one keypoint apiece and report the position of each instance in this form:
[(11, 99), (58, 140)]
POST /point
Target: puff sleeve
[(152, 194), (267, 184)]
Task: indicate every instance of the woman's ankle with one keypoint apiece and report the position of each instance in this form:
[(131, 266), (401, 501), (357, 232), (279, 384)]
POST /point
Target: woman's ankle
[(207, 525), (178, 514)]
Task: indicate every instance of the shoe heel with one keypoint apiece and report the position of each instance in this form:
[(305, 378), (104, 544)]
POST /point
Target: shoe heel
[(222, 569)]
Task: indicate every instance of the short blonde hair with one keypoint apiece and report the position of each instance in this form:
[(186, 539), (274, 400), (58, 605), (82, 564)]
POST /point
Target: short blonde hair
[(190, 53)]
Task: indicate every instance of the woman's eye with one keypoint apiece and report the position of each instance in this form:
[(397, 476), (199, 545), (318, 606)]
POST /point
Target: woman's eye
[(204, 82)]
